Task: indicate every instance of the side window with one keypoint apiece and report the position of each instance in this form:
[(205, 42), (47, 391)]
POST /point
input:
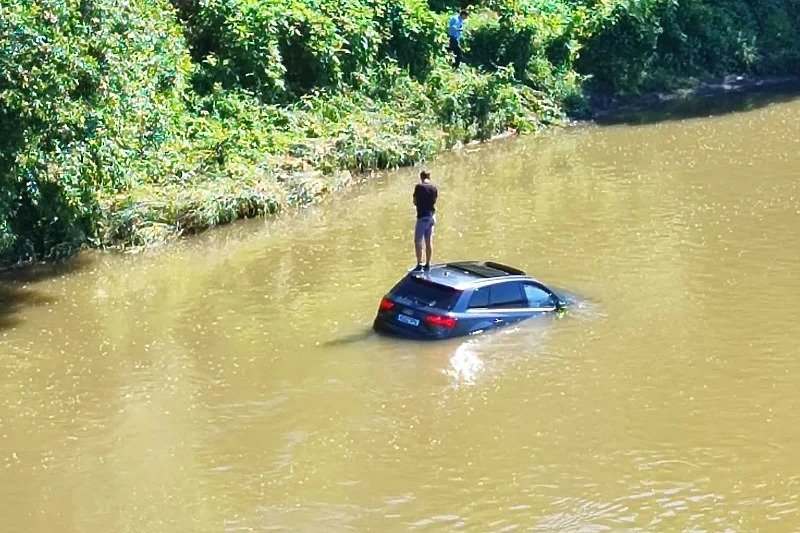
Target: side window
[(506, 295), (480, 298), (538, 297)]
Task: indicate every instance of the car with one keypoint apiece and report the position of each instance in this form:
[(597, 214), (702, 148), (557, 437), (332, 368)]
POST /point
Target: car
[(463, 298)]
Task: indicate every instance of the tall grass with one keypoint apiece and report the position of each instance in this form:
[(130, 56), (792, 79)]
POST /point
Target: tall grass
[(129, 122)]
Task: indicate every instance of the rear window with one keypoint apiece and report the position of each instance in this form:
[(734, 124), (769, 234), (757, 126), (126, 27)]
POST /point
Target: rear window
[(426, 293)]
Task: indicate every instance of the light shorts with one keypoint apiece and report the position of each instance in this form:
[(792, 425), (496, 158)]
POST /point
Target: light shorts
[(424, 228)]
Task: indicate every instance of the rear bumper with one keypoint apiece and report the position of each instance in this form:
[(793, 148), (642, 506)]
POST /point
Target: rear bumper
[(389, 327)]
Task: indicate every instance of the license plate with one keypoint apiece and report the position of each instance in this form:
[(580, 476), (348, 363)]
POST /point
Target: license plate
[(408, 320)]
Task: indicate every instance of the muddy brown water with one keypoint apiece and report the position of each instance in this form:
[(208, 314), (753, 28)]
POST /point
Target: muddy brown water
[(230, 382)]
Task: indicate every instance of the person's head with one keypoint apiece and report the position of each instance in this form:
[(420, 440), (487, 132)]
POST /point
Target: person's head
[(463, 13), (424, 175)]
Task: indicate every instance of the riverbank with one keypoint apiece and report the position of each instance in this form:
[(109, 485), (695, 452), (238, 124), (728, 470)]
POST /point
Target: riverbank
[(125, 125), (606, 107), (153, 216), (316, 156), (162, 215)]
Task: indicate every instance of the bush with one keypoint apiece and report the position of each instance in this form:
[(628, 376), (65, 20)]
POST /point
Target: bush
[(620, 54), (646, 44), (85, 95), (539, 41), (286, 48), (415, 35), (475, 106)]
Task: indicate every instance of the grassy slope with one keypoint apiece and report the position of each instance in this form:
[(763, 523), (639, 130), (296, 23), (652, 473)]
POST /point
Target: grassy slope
[(132, 122)]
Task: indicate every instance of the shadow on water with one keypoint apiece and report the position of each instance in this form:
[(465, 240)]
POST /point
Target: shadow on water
[(353, 338), (13, 299), (705, 102), (18, 291)]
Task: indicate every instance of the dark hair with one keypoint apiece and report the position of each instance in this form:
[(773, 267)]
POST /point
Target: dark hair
[(424, 175), (464, 13)]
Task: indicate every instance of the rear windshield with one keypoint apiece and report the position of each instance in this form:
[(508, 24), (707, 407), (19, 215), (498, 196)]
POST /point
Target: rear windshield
[(426, 293)]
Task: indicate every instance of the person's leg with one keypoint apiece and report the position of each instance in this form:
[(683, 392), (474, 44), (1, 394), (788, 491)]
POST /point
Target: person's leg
[(456, 51), (459, 54), (428, 250), (418, 238), (429, 244)]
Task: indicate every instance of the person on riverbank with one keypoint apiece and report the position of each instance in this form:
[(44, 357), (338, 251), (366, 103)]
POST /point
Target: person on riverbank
[(455, 28), (425, 195)]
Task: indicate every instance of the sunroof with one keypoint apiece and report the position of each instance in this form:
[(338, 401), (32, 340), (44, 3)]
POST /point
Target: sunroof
[(485, 270)]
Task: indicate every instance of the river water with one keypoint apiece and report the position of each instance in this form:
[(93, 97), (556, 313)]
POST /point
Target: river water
[(230, 382)]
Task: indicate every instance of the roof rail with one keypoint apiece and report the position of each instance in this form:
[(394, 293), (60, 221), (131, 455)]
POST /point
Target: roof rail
[(505, 268)]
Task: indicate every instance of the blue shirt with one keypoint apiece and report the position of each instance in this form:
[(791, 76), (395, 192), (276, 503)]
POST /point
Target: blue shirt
[(455, 27)]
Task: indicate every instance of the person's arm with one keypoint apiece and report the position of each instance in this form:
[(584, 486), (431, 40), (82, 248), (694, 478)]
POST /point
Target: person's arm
[(414, 197), (452, 27)]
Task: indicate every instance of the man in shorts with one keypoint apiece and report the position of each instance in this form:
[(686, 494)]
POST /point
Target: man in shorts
[(425, 194)]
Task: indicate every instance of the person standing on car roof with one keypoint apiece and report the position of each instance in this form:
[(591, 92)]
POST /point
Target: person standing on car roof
[(425, 195)]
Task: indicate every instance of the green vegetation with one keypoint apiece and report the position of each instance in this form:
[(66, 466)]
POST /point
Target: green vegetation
[(132, 121)]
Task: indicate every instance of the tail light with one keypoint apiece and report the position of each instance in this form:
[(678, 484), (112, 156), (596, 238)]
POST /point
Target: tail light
[(446, 322), (385, 305)]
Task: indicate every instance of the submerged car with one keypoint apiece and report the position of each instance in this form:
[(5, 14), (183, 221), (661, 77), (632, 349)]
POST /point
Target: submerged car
[(462, 298)]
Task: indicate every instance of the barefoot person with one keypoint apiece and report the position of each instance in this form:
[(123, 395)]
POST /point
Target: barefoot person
[(425, 194)]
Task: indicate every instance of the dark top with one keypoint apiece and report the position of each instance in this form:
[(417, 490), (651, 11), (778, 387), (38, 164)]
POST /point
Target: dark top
[(425, 195)]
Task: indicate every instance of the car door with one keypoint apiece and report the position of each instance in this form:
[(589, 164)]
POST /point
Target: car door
[(507, 302), (478, 315)]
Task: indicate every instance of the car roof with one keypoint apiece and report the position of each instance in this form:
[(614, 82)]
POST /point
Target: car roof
[(464, 274)]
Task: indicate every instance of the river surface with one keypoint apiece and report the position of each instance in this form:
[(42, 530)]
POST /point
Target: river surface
[(231, 382)]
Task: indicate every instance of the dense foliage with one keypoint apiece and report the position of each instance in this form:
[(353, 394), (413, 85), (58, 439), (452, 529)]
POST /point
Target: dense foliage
[(648, 44), (130, 121), (87, 91)]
